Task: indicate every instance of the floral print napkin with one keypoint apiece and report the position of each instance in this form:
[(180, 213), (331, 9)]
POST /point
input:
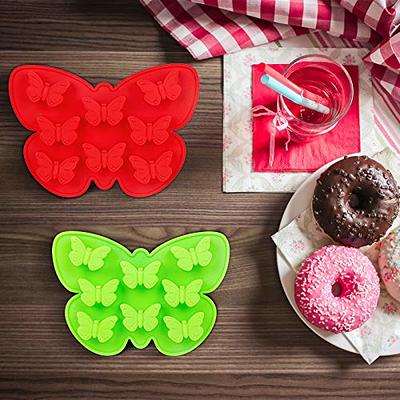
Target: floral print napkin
[(238, 173), (381, 334)]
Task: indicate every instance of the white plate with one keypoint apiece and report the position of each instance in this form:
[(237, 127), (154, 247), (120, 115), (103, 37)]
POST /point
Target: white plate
[(301, 200)]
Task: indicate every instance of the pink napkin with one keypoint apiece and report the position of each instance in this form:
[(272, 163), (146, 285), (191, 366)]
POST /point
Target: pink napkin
[(301, 157)]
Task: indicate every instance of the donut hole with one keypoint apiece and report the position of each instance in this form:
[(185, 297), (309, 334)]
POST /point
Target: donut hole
[(355, 201), (337, 289), (360, 199), (345, 285)]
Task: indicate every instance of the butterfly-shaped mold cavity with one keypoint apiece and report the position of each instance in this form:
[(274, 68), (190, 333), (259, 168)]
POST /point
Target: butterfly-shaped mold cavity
[(62, 171), (143, 132), (154, 169), (169, 88), (188, 295), (139, 296), (146, 319), (101, 330), (40, 90), (200, 254), (145, 276), (179, 330), (110, 113), (80, 254), (53, 132), (111, 159), (67, 115), (102, 294)]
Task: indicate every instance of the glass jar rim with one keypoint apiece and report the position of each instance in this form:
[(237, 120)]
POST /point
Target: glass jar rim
[(334, 121)]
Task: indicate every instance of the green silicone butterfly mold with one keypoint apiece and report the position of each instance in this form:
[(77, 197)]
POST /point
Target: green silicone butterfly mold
[(139, 296)]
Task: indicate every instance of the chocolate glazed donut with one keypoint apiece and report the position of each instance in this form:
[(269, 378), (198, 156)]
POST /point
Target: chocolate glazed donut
[(355, 201)]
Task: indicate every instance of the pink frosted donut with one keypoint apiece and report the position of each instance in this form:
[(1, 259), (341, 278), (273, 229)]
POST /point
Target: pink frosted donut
[(337, 288), (389, 263)]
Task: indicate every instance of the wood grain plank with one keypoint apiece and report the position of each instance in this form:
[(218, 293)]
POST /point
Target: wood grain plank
[(178, 386), (193, 199), (81, 25)]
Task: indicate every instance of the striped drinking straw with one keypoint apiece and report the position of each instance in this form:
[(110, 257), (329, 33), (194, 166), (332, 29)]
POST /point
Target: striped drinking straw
[(290, 90)]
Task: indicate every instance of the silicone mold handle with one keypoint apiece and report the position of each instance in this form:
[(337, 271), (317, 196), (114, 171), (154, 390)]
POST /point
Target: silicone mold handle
[(159, 296), (103, 134)]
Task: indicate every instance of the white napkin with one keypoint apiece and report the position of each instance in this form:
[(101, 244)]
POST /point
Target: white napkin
[(381, 334)]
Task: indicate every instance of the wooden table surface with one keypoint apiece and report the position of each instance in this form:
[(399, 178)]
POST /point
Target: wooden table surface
[(258, 349)]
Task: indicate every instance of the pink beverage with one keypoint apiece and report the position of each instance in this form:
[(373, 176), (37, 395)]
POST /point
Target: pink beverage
[(327, 79)]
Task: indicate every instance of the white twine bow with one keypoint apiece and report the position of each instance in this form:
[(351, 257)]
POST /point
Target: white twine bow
[(279, 123)]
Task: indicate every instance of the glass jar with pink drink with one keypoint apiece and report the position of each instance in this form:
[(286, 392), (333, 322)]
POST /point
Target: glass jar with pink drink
[(332, 84)]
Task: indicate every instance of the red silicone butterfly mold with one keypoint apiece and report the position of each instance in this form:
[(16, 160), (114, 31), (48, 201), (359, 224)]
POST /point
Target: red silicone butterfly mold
[(103, 134)]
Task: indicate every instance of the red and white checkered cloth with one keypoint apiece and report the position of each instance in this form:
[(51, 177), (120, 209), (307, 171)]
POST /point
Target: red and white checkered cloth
[(384, 63), (328, 16), (209, 28)]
